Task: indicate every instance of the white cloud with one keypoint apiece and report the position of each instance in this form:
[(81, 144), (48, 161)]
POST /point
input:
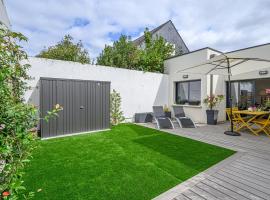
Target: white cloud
[(225, 25)]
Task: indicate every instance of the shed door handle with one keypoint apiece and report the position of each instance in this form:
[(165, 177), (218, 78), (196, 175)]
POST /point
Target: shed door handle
[(81, 107)]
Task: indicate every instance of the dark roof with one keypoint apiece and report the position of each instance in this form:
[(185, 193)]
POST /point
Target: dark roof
[(141, 39), (248, 48), (194, 52), (218, 51)]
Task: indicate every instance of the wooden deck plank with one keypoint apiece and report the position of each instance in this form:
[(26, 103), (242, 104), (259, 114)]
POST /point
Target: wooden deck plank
[(181, 197), (264, 177), (248, 167), (213, 191), (244, 190), (247, 174), (258, 160), (245, 177), (254, 165), (203, 193), (219, 186), (191, 195)]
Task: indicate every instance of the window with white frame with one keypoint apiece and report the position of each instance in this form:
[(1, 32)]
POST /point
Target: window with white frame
[(188, 92)]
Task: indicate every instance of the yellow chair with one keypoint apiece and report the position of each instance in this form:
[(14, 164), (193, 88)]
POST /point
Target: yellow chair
[(263, 124), (237, 119)]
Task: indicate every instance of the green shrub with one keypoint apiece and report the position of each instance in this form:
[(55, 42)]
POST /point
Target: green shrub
[(18, 120), (116, 113)]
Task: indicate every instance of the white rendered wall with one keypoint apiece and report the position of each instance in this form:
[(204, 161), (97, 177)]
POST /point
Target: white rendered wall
[(197, 113), (139, 90)]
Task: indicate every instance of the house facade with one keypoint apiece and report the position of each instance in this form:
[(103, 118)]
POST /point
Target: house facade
[(3, 14), (189, 90), (171, 36)]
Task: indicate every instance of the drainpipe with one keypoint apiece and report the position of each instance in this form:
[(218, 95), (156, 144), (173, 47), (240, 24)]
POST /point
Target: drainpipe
[(211, 85)]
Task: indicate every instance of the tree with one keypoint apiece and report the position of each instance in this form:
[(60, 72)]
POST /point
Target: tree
[(155, 52), (67, 50), (123, 54), (116, 113)]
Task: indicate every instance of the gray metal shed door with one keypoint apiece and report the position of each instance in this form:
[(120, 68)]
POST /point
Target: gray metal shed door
[(86, 106)]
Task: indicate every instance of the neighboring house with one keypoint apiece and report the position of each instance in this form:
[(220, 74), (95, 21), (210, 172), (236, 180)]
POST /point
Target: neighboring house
[(189, 90), (170, 34), (3, 14)]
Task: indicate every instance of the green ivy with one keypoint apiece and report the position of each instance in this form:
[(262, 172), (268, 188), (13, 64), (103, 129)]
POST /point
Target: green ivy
[(18, 120)]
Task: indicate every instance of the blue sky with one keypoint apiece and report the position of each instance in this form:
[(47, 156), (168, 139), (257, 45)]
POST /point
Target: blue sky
[(224, 24)]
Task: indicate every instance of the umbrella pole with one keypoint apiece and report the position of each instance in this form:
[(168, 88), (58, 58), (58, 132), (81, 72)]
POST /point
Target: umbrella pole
[(231, 132)]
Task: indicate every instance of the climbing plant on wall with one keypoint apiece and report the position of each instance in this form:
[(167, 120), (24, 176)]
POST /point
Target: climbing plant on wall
[(18, 120)]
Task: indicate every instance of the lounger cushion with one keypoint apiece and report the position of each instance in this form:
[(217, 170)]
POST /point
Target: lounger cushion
[(164, 123), (186, 122)]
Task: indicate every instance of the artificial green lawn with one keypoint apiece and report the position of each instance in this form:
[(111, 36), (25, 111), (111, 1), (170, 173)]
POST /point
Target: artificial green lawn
[(126, 163)]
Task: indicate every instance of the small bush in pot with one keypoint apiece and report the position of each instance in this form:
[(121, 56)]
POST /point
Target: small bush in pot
[(115, 108), (167, 111), (266, 106), (211, 102)]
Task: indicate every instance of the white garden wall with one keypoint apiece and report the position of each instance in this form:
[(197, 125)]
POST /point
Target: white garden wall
[(139, 90)]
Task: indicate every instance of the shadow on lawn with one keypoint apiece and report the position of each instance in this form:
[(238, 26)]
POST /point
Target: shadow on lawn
[(142, 131), (194, 154)]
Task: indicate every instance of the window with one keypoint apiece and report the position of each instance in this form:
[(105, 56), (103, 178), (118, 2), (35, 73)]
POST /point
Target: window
[(243, 94), (188, 92)]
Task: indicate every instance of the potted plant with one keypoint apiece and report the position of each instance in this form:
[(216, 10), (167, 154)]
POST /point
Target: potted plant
[(167, 111), (211, 102), (267, 105)]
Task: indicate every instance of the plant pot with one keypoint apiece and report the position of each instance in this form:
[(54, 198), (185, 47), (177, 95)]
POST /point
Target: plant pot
[(212, 116), (168, 114)]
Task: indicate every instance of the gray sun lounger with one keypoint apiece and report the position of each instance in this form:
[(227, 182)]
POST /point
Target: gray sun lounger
[(160, 118), (180, 116)]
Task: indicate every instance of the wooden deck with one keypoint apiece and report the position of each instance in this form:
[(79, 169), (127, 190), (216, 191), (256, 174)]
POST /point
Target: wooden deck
[(245, 175)]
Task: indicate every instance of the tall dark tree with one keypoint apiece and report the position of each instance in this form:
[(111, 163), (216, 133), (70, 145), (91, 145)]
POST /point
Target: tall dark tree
[(67, 50), (155, 52), (123, 53)]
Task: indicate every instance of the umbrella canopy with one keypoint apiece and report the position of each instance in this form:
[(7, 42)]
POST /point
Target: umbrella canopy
[(241, 61), (234, 63)]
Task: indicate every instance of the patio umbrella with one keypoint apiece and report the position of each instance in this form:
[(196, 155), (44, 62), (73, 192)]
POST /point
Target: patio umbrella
[(233, 63)]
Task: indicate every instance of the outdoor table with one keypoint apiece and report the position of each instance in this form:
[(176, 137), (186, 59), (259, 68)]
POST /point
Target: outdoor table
[(253, 116)]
